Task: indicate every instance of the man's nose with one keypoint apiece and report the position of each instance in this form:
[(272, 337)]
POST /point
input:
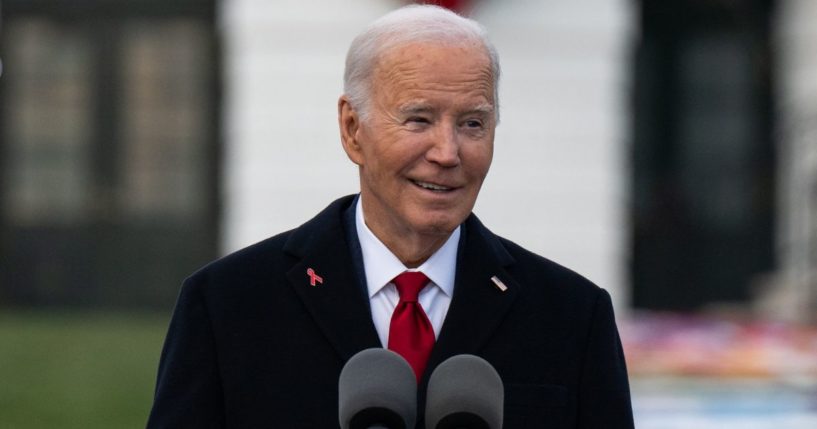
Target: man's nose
[(445, 149)]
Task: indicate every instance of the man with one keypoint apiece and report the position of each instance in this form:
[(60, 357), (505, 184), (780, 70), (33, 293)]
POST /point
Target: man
[(259, 337)]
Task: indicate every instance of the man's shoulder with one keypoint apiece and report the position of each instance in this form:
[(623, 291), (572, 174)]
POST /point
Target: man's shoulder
[(539, 273), (539, 265), (279, 252), (253, 261)]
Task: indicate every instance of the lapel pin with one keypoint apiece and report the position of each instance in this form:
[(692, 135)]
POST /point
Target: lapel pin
[(498, 283), (314, 278)]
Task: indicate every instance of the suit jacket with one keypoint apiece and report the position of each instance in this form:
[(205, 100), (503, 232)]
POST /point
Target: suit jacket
[(252, 344)]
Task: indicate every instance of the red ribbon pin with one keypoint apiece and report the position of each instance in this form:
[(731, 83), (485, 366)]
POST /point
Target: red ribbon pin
[(314, 279)]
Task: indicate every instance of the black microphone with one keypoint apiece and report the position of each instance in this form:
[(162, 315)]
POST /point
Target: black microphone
[(377, 389), (465, 391)]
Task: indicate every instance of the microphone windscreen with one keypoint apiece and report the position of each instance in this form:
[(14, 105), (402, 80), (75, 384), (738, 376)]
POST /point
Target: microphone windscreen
[(465, 391), (377, 388)]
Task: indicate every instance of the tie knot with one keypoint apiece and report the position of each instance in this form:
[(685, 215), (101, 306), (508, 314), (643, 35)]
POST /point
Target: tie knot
[(409, 284)]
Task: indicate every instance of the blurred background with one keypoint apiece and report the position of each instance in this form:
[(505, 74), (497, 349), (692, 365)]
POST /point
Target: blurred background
[(667, 150)]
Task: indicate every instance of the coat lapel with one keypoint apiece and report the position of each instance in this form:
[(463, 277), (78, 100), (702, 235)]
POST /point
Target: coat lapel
[(478, 305), (338, 302)]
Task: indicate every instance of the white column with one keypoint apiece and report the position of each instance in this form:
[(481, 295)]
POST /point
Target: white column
[(283, 74), (795, 294), (558, 185)]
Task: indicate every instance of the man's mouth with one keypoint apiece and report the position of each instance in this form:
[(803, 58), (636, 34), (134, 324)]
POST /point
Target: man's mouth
[(431, 186)]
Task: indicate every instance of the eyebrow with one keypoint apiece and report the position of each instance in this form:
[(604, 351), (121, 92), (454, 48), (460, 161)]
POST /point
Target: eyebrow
[(421, 107), (414, 108), (485, 108)]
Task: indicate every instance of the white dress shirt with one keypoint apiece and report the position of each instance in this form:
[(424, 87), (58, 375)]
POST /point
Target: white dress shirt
[(381, 266)]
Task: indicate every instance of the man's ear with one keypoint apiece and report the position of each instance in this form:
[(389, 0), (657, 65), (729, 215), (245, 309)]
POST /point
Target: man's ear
[(349, 122)]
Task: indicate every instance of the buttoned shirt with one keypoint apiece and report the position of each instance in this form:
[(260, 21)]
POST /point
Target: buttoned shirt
[(381, 266)]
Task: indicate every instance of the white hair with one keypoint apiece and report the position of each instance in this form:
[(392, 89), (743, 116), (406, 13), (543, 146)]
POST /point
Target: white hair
[(409, 24)]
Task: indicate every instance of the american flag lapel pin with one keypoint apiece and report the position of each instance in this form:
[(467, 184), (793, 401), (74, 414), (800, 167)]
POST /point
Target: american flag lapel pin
[(498, 283), (314, 278)]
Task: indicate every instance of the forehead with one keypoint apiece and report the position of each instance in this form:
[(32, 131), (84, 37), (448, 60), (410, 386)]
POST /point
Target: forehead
[(425, 67)]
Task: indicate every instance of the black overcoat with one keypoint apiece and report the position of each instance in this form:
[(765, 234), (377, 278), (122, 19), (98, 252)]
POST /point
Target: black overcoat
[(252, 344)]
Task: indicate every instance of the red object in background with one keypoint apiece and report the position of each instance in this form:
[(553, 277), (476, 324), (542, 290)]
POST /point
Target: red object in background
[(455, 5)]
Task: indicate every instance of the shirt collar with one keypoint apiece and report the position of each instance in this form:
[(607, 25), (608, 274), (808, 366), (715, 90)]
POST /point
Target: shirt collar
[(381, 266)]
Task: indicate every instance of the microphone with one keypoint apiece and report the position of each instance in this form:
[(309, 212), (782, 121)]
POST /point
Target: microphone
[(465, 391), (377, 389)]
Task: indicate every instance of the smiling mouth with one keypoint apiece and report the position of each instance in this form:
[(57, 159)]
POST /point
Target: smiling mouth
[(431, 186)]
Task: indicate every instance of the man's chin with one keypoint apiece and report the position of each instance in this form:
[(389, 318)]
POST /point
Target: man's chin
[(441, 228)]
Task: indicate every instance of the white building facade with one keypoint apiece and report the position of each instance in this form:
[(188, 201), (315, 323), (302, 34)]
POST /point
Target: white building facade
[(557, 183)]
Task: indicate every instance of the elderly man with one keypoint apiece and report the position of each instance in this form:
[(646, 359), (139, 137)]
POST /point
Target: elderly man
[(259, 337)]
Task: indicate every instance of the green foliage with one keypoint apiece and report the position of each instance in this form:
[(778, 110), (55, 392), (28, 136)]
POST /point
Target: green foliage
[(77, 370)]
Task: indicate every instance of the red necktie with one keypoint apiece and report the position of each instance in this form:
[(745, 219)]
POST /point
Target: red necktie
[(410, 333)]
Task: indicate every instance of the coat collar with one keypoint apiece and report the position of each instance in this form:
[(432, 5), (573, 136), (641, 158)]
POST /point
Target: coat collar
[(339, 304)]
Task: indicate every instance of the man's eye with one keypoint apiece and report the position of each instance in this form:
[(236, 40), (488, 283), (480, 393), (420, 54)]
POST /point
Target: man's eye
[(419, 119), (473, 123)]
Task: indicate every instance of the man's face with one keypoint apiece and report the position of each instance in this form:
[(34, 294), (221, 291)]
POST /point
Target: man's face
[(427, 143)]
